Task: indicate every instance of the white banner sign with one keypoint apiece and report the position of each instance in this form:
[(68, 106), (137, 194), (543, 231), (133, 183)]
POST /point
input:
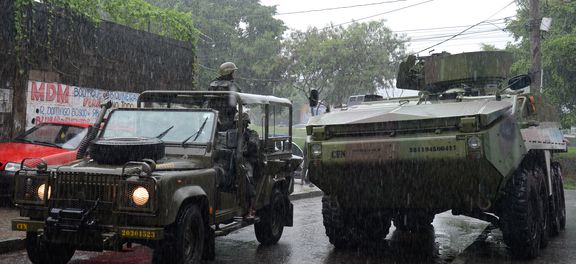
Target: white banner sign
[(55, 102)]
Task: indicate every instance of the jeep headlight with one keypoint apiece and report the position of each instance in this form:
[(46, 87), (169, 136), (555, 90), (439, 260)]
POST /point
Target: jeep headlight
[(11, 166), (474, 142), (316, 150), (140, 196), (42, 191)]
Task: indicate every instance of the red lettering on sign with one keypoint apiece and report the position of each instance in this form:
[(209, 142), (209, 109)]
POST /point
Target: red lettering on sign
[(90, 102), (50, 92), (37, 92), (63, 94)]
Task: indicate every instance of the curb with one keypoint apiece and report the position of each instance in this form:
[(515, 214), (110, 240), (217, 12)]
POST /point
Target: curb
[(305, 195), (12, 244)]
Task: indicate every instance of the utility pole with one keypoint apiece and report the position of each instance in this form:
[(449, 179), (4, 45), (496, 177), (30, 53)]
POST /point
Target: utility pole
[(536, 68)]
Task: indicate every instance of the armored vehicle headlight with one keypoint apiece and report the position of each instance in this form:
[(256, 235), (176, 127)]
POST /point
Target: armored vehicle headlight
[(316, 150), (42, 190), (140, 196), (474, 142)]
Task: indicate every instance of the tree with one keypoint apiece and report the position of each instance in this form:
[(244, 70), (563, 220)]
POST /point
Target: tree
[(360, 59), (558, 53), (242, 31)]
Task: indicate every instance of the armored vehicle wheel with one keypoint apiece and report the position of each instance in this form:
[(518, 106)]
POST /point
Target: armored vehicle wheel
[(414, 221), (558, 214), (272, 217), (185, 242), (335, 223), (523, 215), (43, 252)]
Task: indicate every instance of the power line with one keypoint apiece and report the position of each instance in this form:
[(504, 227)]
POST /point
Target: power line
[(337, 8), (368, 17), (453, 27), (452, 37), (309, 10)]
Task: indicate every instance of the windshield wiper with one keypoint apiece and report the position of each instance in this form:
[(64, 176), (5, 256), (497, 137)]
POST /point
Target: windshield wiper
[(197, 133), (24, 140), (161, 135), (46, 144)]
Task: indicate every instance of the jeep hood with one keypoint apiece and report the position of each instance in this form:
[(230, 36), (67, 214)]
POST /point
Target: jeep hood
[(392, 111), (92, 166)]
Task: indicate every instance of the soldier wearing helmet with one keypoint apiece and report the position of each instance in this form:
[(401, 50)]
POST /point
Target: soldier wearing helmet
[(250, 167), (225, 82)]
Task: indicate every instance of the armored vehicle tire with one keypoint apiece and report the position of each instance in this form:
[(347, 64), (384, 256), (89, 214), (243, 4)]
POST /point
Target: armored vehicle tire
[(414, 221), (272, 217), (558, 214), (43, 252), (185, 241), (523, 215), (335, 223)]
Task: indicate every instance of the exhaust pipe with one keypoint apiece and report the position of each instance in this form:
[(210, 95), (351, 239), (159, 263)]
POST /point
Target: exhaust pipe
[(93, 130)]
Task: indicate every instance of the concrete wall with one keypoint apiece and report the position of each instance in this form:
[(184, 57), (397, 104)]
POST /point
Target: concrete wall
[(64, 48)]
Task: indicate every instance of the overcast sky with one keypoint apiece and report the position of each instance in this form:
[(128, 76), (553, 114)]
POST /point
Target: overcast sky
[(418, 19)]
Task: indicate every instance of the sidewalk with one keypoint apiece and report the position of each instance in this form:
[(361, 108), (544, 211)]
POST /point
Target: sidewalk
[(14, 240)]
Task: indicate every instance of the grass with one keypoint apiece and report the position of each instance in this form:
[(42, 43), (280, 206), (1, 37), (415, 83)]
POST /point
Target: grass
[(298, 134), (569, 183), (571, 154)]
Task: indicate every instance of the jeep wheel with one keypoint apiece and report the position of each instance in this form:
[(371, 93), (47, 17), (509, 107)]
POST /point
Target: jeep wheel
[(272, 218), (414, 221), (523, 217), (185, 244), (558, 214), (335, 223), (43, 252)]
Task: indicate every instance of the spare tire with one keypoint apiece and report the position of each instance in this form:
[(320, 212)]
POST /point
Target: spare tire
[(117, 151)]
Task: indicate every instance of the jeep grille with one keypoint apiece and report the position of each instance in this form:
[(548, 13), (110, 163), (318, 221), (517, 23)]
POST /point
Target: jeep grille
[(72, 189)]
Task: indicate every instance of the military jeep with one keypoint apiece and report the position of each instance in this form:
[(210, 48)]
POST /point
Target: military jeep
[(166, 175)]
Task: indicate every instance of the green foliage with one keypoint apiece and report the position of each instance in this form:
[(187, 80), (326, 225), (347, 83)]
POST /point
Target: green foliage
[(558, 53), (242, 31), (488, 47), (360, 59), (136, 14)]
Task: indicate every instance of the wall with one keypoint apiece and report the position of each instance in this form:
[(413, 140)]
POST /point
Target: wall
[(70, 50)]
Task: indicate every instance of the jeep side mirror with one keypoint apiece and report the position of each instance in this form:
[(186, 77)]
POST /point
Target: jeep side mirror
[(231, 138), (519, 82), (313, 99)]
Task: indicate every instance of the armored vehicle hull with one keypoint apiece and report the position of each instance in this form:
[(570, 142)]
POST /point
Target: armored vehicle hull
[(469, 148)]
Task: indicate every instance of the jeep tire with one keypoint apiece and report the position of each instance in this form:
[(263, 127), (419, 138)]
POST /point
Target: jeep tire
[(44, 252), (523, 215), (185, 241), (272, 219)]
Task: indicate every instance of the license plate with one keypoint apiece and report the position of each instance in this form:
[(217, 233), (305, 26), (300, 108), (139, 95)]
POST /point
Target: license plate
[(137, 233)]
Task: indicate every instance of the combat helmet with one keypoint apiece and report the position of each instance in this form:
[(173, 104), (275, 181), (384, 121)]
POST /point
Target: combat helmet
[(227, 68), (245, 117)]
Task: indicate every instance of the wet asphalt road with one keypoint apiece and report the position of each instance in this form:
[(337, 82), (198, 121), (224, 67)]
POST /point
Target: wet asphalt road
[(307, 243)]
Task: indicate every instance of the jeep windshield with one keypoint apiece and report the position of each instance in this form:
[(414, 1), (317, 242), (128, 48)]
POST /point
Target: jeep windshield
[(171, 126)]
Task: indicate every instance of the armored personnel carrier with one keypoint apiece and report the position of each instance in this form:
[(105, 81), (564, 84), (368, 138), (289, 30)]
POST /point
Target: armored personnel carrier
[(166, 175), (473, 141)]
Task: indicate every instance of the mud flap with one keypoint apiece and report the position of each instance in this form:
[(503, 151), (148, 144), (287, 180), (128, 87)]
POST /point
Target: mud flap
[(289, 221)]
